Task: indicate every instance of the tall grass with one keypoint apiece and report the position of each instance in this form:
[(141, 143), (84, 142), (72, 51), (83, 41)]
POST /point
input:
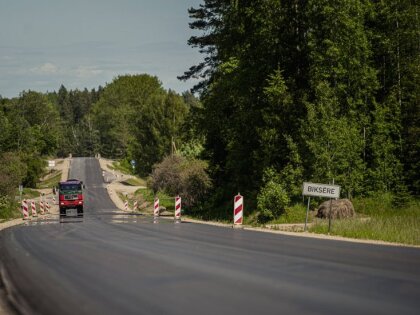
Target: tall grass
[(50, 182), (377, 219), (166, 201)]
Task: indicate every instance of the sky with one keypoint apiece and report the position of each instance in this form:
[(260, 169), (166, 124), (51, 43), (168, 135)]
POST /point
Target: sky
[(87, 43)]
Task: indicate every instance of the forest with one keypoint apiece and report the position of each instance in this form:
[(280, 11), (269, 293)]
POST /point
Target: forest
[(289, 91)]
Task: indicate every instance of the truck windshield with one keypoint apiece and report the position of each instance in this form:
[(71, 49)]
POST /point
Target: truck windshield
[(70, 187)]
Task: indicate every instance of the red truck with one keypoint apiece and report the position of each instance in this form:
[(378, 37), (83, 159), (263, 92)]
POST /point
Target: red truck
[(70, 197)]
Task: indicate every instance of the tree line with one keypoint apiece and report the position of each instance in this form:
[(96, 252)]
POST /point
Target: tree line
[(308, 90), (132, 118), (290, 91)]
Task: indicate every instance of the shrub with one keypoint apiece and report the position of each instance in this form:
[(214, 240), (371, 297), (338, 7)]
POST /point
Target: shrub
[(176, 175), (12, 172), (271, 201)]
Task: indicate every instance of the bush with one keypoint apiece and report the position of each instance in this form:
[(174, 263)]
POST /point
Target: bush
[(271, 201), (12, 172), (7, 208), (176, 175)]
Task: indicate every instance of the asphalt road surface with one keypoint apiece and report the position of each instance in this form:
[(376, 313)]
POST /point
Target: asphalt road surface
[(126, 264)]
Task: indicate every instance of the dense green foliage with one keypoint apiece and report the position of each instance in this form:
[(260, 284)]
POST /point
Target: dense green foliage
[(132, 118), (187, 177), (318, 90), (315, 90)]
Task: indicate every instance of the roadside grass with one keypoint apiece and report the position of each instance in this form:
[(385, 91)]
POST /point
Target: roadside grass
[(9, 211), (122, 167), (293, 214), (146, 195), (377, 219), (145, 199), (134, 182), (29, 193), (50, 182)]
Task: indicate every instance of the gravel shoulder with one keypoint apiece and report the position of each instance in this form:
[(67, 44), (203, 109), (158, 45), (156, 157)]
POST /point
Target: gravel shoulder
[(113, 179)]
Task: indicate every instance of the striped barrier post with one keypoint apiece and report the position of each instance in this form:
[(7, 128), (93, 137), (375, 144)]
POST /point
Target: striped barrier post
[(126, 205), (238, 209), (25, 210), (33, 208), (53, 200), (177, 209), (47, 207), (136, 205), (41, 207), (156, 208)]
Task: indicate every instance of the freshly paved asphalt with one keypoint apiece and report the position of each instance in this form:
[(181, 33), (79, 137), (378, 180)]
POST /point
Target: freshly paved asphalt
[(125, 264)]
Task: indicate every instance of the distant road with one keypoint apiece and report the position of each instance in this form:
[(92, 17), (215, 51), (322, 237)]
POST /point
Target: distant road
[(126, 264)]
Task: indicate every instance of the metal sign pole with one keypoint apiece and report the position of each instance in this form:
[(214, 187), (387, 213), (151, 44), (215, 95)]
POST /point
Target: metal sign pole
[(329, 217), (307, 212)]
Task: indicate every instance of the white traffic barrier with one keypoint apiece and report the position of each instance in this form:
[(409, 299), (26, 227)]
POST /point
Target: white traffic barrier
[(238, 209), (33, 208), (25, 210), (156, 208), (177, 208), (126, 205), (135, 205), (41, 207)]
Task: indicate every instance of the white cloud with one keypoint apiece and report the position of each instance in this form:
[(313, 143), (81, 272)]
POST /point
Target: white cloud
[(86, 72), (46, 68)]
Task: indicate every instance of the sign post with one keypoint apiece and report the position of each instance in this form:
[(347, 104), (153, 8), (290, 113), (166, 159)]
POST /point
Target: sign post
[(320, 190), (20, 193), (307, 213)]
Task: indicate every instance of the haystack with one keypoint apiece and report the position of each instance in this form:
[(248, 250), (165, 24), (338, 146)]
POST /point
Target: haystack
[(340, 209)]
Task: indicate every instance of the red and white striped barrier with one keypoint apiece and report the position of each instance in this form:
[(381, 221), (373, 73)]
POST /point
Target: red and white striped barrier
[(177, 208), (33, 208), (126, 205), (41, 207), (156, 208), (53, 200), (25, 210), (47, 207), (136, 205), (238, 209)]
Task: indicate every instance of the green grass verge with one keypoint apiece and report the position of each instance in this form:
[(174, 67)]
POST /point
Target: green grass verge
[(122, 167), (50, 182), (134, 182), (293, 214), (10, 211), (164, 200), (377, 219), (29, 193)]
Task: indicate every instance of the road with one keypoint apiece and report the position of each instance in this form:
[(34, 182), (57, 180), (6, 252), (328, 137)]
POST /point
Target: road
[(125, 264)]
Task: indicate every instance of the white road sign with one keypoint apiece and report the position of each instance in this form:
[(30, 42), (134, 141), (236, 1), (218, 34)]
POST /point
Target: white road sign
[(51, 163), (321, 190)]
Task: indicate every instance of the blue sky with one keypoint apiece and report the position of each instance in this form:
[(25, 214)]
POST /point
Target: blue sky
[(87, 43)]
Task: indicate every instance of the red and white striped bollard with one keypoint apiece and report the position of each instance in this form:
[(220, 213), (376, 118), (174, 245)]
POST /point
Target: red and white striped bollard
[(136, 205), (126, 205), (238, 209), (33, 208), (156, 208), (177, 209), (41, 207), (25, 210)]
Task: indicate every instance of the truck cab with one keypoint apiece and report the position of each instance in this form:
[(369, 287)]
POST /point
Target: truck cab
[(70, 197)]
